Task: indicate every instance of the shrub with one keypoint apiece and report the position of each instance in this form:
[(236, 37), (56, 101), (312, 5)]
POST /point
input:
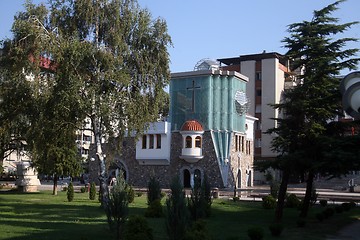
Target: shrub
[(70, 192), (155, 209), (198, 231), (200, 200), (352, 204), (323, 202), (301, 222), (255, 233), (83, 189), (131, 193), (292, 201), (236, 199), (65, 189), (92, 193), (137, 228), (276, 229), (268, 202), (138, 194), (154, 190)]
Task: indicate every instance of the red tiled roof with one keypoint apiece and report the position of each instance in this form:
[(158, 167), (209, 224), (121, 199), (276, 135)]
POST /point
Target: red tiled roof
[(192, 125)]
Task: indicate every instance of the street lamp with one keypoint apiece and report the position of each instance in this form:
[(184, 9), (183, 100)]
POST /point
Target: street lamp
[(350, 90)]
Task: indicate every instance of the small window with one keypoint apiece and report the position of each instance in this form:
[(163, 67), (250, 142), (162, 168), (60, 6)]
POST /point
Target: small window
[(236, 143), (258, 76), (188, 142), (151, 141), (258, 92), (198, 142), (258, 108), (158, 141), (144, 142)]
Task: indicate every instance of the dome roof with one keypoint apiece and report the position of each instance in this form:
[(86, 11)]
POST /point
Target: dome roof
[(192, 125)]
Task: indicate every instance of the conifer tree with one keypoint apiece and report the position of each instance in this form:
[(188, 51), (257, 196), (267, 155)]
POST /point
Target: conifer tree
[(316, 50)]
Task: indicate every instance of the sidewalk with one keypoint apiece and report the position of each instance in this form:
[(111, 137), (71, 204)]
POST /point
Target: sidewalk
[(350, 232)]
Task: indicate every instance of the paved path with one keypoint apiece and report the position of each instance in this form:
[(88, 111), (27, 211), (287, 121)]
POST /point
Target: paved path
[(350, 232)]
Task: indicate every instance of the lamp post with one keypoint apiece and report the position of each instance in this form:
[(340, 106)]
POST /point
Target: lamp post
[(350, 90)]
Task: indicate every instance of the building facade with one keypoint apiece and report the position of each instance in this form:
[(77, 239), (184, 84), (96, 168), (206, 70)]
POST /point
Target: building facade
[(208, 133)]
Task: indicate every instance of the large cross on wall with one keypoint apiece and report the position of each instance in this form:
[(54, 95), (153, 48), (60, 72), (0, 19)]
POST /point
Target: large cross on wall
[(193, 88)]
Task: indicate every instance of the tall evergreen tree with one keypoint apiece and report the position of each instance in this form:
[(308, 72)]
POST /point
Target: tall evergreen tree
[(316, 50)]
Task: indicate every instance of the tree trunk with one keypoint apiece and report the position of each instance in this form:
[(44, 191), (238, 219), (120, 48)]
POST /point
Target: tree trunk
[(308, 195), (282, 195), (55, 184)]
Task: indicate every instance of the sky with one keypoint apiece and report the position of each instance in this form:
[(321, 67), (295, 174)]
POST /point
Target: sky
[(220, 29)]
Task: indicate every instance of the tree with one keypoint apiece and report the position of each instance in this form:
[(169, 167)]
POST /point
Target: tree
[(112, 52), (316, 49), (177, 215)]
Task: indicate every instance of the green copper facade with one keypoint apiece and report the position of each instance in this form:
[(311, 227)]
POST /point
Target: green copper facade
[(208, 97)]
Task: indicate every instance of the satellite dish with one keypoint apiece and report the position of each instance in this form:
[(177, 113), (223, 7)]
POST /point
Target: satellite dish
[(206, 64)]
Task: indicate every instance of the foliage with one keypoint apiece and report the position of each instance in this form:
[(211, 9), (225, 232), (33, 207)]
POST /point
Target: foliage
[(276, 229), (329, 212), (155, 209), (292, 201), (268, 202), (200, 201), (323, 202), (197, 231), (92, 192), (255, 233), (177, 215), (137, 228), (274, 188), (317, 57), (70, 192), (117, 207), (130, 193), (154, 190)]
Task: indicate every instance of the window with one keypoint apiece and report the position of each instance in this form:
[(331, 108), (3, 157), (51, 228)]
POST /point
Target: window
[(151, 141), (258, 143), (198, 142), (258, 76), (158, 141), (87, 138), (257, 125), (236, 143), (258, 92), (188, 142), (144, 142), (258, 108), (242, 144)]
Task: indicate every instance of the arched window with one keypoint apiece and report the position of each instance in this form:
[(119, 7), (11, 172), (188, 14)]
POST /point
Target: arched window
[(188, 142), (198, 142)]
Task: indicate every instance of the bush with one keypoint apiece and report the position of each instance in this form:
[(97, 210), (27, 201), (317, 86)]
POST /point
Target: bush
[(131, 193), (323, 202), (198, 231), (268, 202), (346, 206), (154, 190), (138, 194), (255, 233), (276, 229), (137, 228), (83, 189), (154, 210), (70, 192), (92, 193), (274, 188), (200, 201), (292, 201), (352, 204), (301, 222)]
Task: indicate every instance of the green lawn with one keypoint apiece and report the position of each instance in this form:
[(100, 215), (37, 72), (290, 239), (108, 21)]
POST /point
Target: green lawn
[(44, 216)]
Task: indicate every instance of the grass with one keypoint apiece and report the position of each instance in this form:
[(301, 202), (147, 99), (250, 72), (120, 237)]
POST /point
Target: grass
[(44, 216)]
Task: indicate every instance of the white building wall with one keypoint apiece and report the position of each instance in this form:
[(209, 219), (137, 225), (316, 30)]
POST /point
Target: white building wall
[(248, 69), (155, 156)]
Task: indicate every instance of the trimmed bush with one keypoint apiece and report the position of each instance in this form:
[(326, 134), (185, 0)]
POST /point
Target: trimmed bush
[(70, 192), (83, 189), (131, 193), (255, 233), (292, 201), (154, 190), (198, 231), (268, 202), (154, 210), (352, 204), (276, 229), (346, 206), (137, 228), (339, 209), (92, 193), (323, 203)]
